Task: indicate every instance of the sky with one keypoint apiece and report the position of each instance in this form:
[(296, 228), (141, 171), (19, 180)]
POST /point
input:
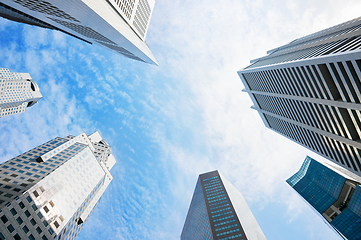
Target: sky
[(167, 124)]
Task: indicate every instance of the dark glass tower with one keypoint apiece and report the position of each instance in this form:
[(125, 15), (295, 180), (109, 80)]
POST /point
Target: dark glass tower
[(219, 212), (333, 194)]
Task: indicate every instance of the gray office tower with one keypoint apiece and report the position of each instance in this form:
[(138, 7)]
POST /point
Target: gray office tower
[(310, 92), (50, 191), (333, 193), (219, 212)]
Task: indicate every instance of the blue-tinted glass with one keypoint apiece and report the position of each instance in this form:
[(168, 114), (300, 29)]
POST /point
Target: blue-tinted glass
[(197, 225), (317, 184), (349, 221)]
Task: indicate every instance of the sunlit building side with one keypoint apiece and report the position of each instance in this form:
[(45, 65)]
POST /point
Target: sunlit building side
[(50, 191)]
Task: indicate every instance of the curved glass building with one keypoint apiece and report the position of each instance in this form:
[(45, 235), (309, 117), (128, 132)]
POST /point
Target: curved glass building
[(333, 194)]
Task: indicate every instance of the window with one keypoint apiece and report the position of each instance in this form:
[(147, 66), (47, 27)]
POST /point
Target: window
[(51, 204), (33, 221), (23, 185), (4, 219), (17, 189), (11, 228), (46, 209), (31, 237), (30, 180), (25, 229), (56, 224), (7, 187), (38, 230), (8, 195), (6, 180), (19, 220), (51, 231), (13, 175), (44, 237), (21, 204), (29, 199), (27, 213), (2, 237), (13, 211), (17, 237), (45, 223), (34, 207), (36, 194), (40, 215)]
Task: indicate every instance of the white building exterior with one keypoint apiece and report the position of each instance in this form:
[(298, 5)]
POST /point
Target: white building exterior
[(50, 191), (310, 92), (17, 92), (120, 25)]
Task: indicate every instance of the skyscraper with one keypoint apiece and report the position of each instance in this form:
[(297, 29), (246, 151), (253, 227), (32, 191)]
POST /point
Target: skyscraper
[(50, 191), (17, 92), (118, 25), (333, 194), (310, 92), (218, 211)]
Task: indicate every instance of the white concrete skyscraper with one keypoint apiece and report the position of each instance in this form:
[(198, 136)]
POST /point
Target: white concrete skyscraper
[(218, 211), (120, 25), (50, 191), (17, 92), (310, 92)]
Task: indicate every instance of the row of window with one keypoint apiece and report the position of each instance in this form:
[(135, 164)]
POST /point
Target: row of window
[(231, 237), (221, 214), (221, 210), (219, 206), (228, 232), (214, 204), (224, 223)]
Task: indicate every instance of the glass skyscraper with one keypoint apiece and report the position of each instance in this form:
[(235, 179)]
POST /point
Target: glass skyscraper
[(119, 25), (50, 191), (310, 92), (333, 194), (218, 211)]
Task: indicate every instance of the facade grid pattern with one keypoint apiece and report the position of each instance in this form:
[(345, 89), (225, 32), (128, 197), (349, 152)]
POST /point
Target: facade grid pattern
[(50, 191), (336, 197)]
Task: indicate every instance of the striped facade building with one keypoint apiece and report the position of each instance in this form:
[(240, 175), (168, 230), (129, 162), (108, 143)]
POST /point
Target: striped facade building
[(310, 92), (119, 25), (218, 211)]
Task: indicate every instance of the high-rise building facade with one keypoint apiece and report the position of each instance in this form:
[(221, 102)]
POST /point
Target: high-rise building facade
[(50, 191), (218, 211), (17, 92), (333, 194), (310, 92), (120, 25)]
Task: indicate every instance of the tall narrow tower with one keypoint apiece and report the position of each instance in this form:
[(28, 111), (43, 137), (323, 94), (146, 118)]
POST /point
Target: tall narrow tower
[(17, 92), (50, 191), (120, 25), (218, 211), (333, 194), (310, 92)]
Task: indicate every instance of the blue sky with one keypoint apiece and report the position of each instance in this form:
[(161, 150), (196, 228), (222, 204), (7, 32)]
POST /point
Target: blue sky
[(167, 124)]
